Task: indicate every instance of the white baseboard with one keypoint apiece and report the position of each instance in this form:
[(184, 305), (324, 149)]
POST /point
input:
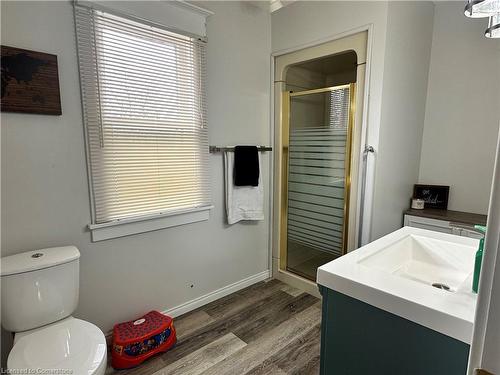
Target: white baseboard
[(209, 297), (216, 294)]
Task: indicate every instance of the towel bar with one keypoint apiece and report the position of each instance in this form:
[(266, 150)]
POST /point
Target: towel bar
[(214, 149)]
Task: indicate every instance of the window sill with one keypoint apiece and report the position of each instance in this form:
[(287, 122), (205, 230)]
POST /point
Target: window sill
[(127, 227)]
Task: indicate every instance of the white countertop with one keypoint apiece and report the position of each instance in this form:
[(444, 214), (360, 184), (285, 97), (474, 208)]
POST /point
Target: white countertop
[(450, 313)]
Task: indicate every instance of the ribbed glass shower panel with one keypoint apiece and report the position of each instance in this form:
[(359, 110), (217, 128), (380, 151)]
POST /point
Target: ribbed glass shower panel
[(318, 171)]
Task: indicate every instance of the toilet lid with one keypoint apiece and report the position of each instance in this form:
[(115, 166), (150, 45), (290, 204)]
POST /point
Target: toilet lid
[(70, 344)]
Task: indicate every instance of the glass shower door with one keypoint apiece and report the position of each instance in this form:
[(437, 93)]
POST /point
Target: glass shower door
[(316, 164)]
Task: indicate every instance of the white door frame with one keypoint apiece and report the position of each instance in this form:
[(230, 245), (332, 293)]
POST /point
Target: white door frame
[(365, 171), (485, 347)]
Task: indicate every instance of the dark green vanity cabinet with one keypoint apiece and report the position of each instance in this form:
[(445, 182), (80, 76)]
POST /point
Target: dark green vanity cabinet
[(359, 339)]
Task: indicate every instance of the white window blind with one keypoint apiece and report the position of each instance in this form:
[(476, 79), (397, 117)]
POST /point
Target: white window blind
[(144, 107)]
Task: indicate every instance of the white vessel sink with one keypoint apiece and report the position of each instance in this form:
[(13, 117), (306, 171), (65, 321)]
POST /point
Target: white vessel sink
[(420, 275)]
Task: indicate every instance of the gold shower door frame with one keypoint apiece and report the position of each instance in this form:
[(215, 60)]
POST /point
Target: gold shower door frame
[(285, 134)]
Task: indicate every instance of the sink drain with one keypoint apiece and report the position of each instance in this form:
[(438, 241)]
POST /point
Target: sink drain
[(441, 286)]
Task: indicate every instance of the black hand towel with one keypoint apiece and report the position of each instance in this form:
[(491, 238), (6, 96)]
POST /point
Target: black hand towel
[(246, 166)]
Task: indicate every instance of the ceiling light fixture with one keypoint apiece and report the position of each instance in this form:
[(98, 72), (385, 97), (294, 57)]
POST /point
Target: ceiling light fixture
[(493, 30), (481, 8), (484, 9)]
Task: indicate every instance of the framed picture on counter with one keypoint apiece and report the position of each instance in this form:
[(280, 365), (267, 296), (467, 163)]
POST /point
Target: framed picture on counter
[(434, 196)]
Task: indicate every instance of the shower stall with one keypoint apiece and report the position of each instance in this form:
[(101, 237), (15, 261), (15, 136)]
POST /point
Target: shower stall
[(318, 93), (317, 136)]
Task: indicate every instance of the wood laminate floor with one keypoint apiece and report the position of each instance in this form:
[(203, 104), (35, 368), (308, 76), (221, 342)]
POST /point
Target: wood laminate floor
[(267, 328)]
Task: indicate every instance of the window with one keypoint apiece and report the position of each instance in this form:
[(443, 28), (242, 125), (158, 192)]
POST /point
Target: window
[(143, 93), (339, 108)]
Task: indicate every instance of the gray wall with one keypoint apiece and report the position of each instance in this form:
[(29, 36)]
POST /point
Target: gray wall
[(306, 111), (407, 55), (45, 200), (463, 109)]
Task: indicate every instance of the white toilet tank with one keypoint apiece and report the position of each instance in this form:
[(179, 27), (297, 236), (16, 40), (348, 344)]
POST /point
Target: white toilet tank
[(39, 287)]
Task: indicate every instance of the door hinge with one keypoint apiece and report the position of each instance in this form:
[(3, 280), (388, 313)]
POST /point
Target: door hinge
[(368, 149)]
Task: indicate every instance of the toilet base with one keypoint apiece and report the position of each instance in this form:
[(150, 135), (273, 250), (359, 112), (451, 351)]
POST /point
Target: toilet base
[(46, 348)]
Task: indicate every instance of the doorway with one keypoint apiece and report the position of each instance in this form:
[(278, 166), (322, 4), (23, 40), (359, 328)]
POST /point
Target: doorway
[(319, 127)]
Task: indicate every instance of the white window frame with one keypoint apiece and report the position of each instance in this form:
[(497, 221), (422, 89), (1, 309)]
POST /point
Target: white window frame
[(148, 222), (144, 224)]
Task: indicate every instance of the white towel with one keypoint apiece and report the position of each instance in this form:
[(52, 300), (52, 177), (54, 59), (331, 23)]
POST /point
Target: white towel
[(242, 202)]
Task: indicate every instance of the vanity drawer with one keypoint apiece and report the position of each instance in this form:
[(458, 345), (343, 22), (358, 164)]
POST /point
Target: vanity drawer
[(459, 229), (429, 224)]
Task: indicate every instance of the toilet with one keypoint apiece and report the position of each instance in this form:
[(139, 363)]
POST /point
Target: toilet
[(39, 294)]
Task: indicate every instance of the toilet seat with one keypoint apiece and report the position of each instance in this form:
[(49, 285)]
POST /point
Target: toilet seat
[(69, 344)]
